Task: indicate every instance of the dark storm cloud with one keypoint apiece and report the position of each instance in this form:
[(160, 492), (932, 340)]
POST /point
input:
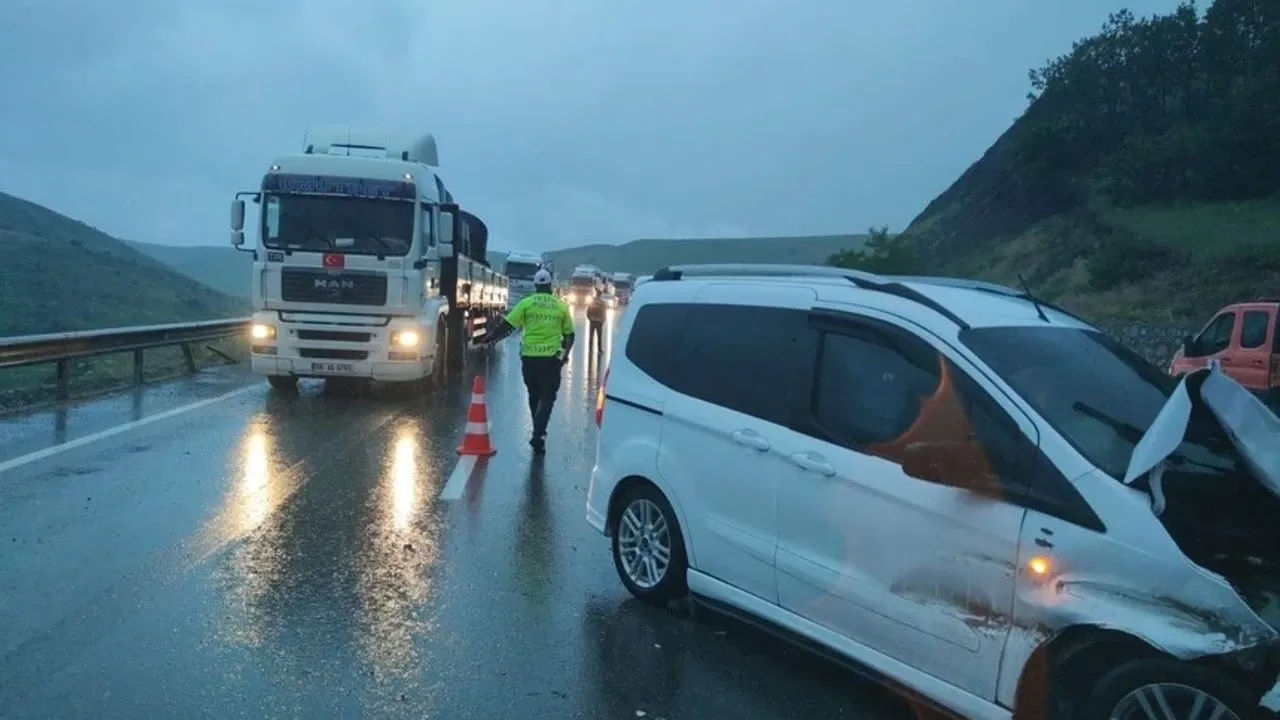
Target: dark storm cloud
[(560, 123)]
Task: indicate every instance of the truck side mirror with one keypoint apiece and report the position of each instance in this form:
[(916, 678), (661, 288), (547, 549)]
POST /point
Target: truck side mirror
[(237, 238), (449, 228), (237, 219)]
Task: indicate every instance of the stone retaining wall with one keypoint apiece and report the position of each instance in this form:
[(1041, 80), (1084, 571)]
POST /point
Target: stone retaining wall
[(1157, 342)]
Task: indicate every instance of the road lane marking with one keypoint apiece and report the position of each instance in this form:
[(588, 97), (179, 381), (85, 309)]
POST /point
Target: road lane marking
[(458, 479), (93, 437)]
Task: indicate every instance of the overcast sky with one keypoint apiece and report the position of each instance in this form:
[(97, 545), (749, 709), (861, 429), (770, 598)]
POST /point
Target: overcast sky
[(560, 122)]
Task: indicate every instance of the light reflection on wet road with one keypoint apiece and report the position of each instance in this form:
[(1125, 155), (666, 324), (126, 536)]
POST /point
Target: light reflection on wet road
[(277, 556)]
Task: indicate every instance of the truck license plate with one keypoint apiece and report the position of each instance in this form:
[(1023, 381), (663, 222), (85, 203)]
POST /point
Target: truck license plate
[(329, 367)]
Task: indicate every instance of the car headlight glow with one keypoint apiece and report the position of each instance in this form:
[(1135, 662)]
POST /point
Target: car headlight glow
[(262, 332), (406, 338)]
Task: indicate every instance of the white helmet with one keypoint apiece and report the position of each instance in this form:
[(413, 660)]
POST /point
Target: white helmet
[(542, 277)]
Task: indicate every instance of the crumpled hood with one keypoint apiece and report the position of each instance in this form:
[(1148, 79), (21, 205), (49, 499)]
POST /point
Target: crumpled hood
[(1250, 425)]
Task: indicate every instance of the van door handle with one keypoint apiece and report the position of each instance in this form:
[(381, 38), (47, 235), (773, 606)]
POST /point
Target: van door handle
[(750, 438), (813, 462)]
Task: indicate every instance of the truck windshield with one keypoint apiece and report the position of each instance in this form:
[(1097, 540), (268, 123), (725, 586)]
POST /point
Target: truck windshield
[(622, 284), (1099, 395), (521, 270), (324, 223), (582, 282)]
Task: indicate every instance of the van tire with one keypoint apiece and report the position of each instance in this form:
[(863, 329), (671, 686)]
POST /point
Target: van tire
[(1114, 686), (673, 583)]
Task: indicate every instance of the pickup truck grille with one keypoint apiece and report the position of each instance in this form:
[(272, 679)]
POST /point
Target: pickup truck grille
[(342, 288)]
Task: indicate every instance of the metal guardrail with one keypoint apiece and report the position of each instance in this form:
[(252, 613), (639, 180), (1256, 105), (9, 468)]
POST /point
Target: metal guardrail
[(61, 348)]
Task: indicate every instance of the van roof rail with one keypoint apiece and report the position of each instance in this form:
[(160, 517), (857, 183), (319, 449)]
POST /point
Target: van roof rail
[(889, 285)]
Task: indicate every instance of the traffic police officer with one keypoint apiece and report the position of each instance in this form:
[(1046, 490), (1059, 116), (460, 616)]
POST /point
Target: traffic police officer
[(546, 324)]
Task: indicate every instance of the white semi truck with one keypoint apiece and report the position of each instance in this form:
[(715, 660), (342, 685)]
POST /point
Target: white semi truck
[(365, 266), (585, 282), (623, 285), (519, 269)]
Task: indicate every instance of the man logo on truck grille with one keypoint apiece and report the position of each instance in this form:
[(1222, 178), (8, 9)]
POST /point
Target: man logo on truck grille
[(334, 284)]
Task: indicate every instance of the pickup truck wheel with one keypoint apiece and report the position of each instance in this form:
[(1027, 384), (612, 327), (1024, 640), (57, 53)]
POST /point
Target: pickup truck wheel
[(648, 549), (283, 382), (1155, 688)]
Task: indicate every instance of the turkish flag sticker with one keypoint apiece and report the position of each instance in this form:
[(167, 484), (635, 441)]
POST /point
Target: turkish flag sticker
[(335, 261)]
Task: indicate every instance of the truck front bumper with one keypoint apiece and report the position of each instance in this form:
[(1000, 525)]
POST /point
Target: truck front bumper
[(327, 350), (364, 369)]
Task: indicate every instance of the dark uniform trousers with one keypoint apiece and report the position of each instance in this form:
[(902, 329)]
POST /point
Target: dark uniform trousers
[(542, 380)]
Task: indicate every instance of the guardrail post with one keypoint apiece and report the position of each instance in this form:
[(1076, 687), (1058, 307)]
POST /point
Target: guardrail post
[(190, 358), (137, 366), (64, 379)]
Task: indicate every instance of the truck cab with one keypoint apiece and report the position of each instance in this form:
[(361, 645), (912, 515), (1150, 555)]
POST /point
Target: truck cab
[(365, 267), (520, 268)]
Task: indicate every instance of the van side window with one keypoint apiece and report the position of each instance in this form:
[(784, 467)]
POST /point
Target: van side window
[(655, 338), (1253, 328), (1215, 337), (893, 396), (747, 359)]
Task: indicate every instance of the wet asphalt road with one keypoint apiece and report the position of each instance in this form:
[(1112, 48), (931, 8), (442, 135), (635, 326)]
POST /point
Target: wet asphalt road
[(267, 555)]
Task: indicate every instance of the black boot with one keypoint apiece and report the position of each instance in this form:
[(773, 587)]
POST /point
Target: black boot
[(539, 444)]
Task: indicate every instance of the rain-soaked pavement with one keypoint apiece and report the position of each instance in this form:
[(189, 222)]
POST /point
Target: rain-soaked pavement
[(265, 555)]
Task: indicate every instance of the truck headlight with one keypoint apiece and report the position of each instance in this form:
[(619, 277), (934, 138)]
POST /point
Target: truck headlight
[(406, 338), (259, 331)]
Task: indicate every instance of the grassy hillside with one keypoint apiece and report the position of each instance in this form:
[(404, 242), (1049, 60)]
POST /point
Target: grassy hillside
[(224, 269), (59, 274), (1142, 181), (228, 270), (643, 257)]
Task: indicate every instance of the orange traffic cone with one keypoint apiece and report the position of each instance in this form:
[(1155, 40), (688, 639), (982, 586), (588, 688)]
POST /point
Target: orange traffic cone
[(476, 441)]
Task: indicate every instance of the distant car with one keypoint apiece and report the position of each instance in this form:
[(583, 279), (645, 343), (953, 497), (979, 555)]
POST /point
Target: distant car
[(980, 498), (609, 299)]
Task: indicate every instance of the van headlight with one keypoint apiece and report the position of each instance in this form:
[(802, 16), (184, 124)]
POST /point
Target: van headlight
[(259, 331), (406, 338)]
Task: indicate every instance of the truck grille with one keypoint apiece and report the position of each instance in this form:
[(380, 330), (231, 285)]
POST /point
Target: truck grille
[(335, 336), (343, 288), (328, 354)]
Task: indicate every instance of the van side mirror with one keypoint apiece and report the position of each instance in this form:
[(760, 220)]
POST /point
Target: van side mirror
[(237, 239), (237, 219), (1188, 342)]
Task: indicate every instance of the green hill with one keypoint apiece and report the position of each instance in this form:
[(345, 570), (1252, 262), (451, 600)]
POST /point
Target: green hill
[(224, 268), (228, 270), (1143, 180), (643, 257), (59, 275)]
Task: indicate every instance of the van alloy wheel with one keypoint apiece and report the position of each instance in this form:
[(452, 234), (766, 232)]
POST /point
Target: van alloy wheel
[(644, 543), (1171, 701)]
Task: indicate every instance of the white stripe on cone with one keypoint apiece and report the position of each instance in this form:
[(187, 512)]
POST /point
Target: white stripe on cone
[(477, 399), (475, 428)]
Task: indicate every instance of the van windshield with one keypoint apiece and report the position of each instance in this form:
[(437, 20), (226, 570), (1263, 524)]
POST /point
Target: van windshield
[(1099, 395)]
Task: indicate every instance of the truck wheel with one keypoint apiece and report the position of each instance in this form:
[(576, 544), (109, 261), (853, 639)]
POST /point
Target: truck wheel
[(457, 345), (284, 383), (438, 365)]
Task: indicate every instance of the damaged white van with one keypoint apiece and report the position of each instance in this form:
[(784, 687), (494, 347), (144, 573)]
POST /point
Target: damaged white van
[(963, 491)]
